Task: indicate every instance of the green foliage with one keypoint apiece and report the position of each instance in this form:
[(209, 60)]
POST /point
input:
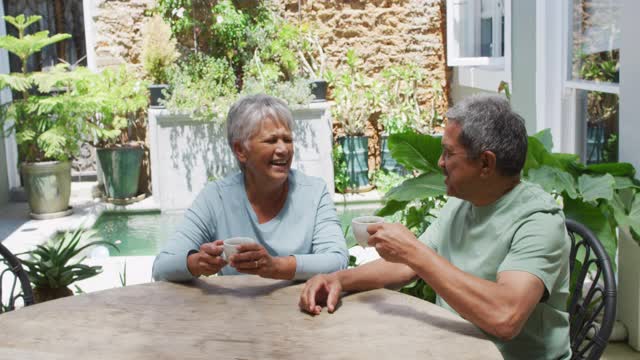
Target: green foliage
[(355, 96), (50, 265), (115, 102), (340, 174), (399, 105), (296, 93), (400, 108), (203, 87), (385, 181), (123, 275), (61, 108), (245, 50), (420, 289), (313, 61), (158, 49), (26, 45), (504, 87), (40, 134), (229, 30), (590, 194)]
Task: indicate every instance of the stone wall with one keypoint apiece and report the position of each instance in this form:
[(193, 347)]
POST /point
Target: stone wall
[(383, 33), (118, 31)]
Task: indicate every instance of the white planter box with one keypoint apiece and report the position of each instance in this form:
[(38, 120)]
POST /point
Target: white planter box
[(185, 153)]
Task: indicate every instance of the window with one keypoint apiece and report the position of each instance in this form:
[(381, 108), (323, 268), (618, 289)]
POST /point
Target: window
[(593, 72), (475, 32), (479, 42)]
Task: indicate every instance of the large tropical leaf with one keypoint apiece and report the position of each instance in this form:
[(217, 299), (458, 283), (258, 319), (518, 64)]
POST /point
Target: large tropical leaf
[(391, 207), (535, 155), (554, 179), (615, 169), (596, 187), (565, 162), (416, 151), (593, 217), (425, 185), (545, 138)]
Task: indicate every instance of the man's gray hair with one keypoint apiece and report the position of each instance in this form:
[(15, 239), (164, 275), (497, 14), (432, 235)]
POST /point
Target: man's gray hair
[(247, 114), (489, 124)]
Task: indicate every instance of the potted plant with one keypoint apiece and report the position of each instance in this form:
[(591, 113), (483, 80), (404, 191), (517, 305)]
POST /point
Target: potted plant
[(313, 62), (355, 101), (203, 87), (119, 116), (158, 54), (400, 109), (50, 269), (46, 140)]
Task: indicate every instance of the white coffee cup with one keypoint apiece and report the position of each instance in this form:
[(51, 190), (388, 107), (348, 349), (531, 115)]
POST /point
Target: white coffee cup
[(231, 245), (359, 228)]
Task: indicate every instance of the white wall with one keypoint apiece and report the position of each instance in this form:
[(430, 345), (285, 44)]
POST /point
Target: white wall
[(4, 68), (521, 66), (629, 252), (523, 61), (630, 84), (186, 154)]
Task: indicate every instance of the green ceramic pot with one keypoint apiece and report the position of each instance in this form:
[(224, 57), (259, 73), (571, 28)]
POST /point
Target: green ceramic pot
[(121, 171), (356, 151)]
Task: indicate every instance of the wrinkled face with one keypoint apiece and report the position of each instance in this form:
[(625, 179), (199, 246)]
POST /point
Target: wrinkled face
[(462, 174), (268, 153)]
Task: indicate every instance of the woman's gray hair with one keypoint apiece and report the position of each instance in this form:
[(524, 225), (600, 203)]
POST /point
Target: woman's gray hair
[(247, 114), (489, 124)]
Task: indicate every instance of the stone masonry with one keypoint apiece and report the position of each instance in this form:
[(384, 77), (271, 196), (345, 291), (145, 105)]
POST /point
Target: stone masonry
[(383, 33), (118, 27)]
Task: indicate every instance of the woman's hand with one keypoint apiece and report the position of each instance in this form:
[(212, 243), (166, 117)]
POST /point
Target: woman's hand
[(207, 261), (254, 259)]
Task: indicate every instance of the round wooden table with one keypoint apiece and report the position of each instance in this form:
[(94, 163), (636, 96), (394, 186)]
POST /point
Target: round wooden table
[(236, 317)]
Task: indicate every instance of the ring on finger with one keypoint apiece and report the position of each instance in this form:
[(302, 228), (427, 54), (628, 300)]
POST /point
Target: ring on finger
[(256, 264)]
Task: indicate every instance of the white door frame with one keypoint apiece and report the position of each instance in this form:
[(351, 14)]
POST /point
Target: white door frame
[(10, 145)]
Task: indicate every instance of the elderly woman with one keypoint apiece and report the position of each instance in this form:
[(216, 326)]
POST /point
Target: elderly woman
[(291, 215)]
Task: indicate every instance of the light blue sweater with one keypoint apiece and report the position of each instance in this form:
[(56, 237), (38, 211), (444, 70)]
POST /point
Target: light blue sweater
[(307, 227)]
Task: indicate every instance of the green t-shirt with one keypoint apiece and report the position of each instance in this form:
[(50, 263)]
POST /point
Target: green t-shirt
[(524, 230)]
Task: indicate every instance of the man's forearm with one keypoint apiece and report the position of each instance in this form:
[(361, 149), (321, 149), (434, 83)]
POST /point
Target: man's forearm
[(488, 304), (374, 275)]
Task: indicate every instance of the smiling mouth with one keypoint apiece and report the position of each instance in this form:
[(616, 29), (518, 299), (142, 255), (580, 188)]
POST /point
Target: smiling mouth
[(279, 162)]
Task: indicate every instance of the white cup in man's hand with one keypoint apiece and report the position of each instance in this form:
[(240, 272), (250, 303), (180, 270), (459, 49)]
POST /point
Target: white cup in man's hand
[(231, 245), (359, 228)]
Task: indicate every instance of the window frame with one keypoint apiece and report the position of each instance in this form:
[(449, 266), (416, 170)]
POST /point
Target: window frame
[(484, 73)]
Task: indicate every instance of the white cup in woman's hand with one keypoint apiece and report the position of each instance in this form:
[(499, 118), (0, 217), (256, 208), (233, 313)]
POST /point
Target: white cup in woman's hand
[(231, 245), (359, 228)]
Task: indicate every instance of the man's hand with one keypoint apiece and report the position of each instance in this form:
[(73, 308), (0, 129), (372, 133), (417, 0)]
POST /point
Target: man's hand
[(207, 261), (324, 289), (394, 242)]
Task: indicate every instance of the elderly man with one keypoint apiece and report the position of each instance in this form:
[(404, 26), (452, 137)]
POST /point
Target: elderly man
[(498, 253)]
